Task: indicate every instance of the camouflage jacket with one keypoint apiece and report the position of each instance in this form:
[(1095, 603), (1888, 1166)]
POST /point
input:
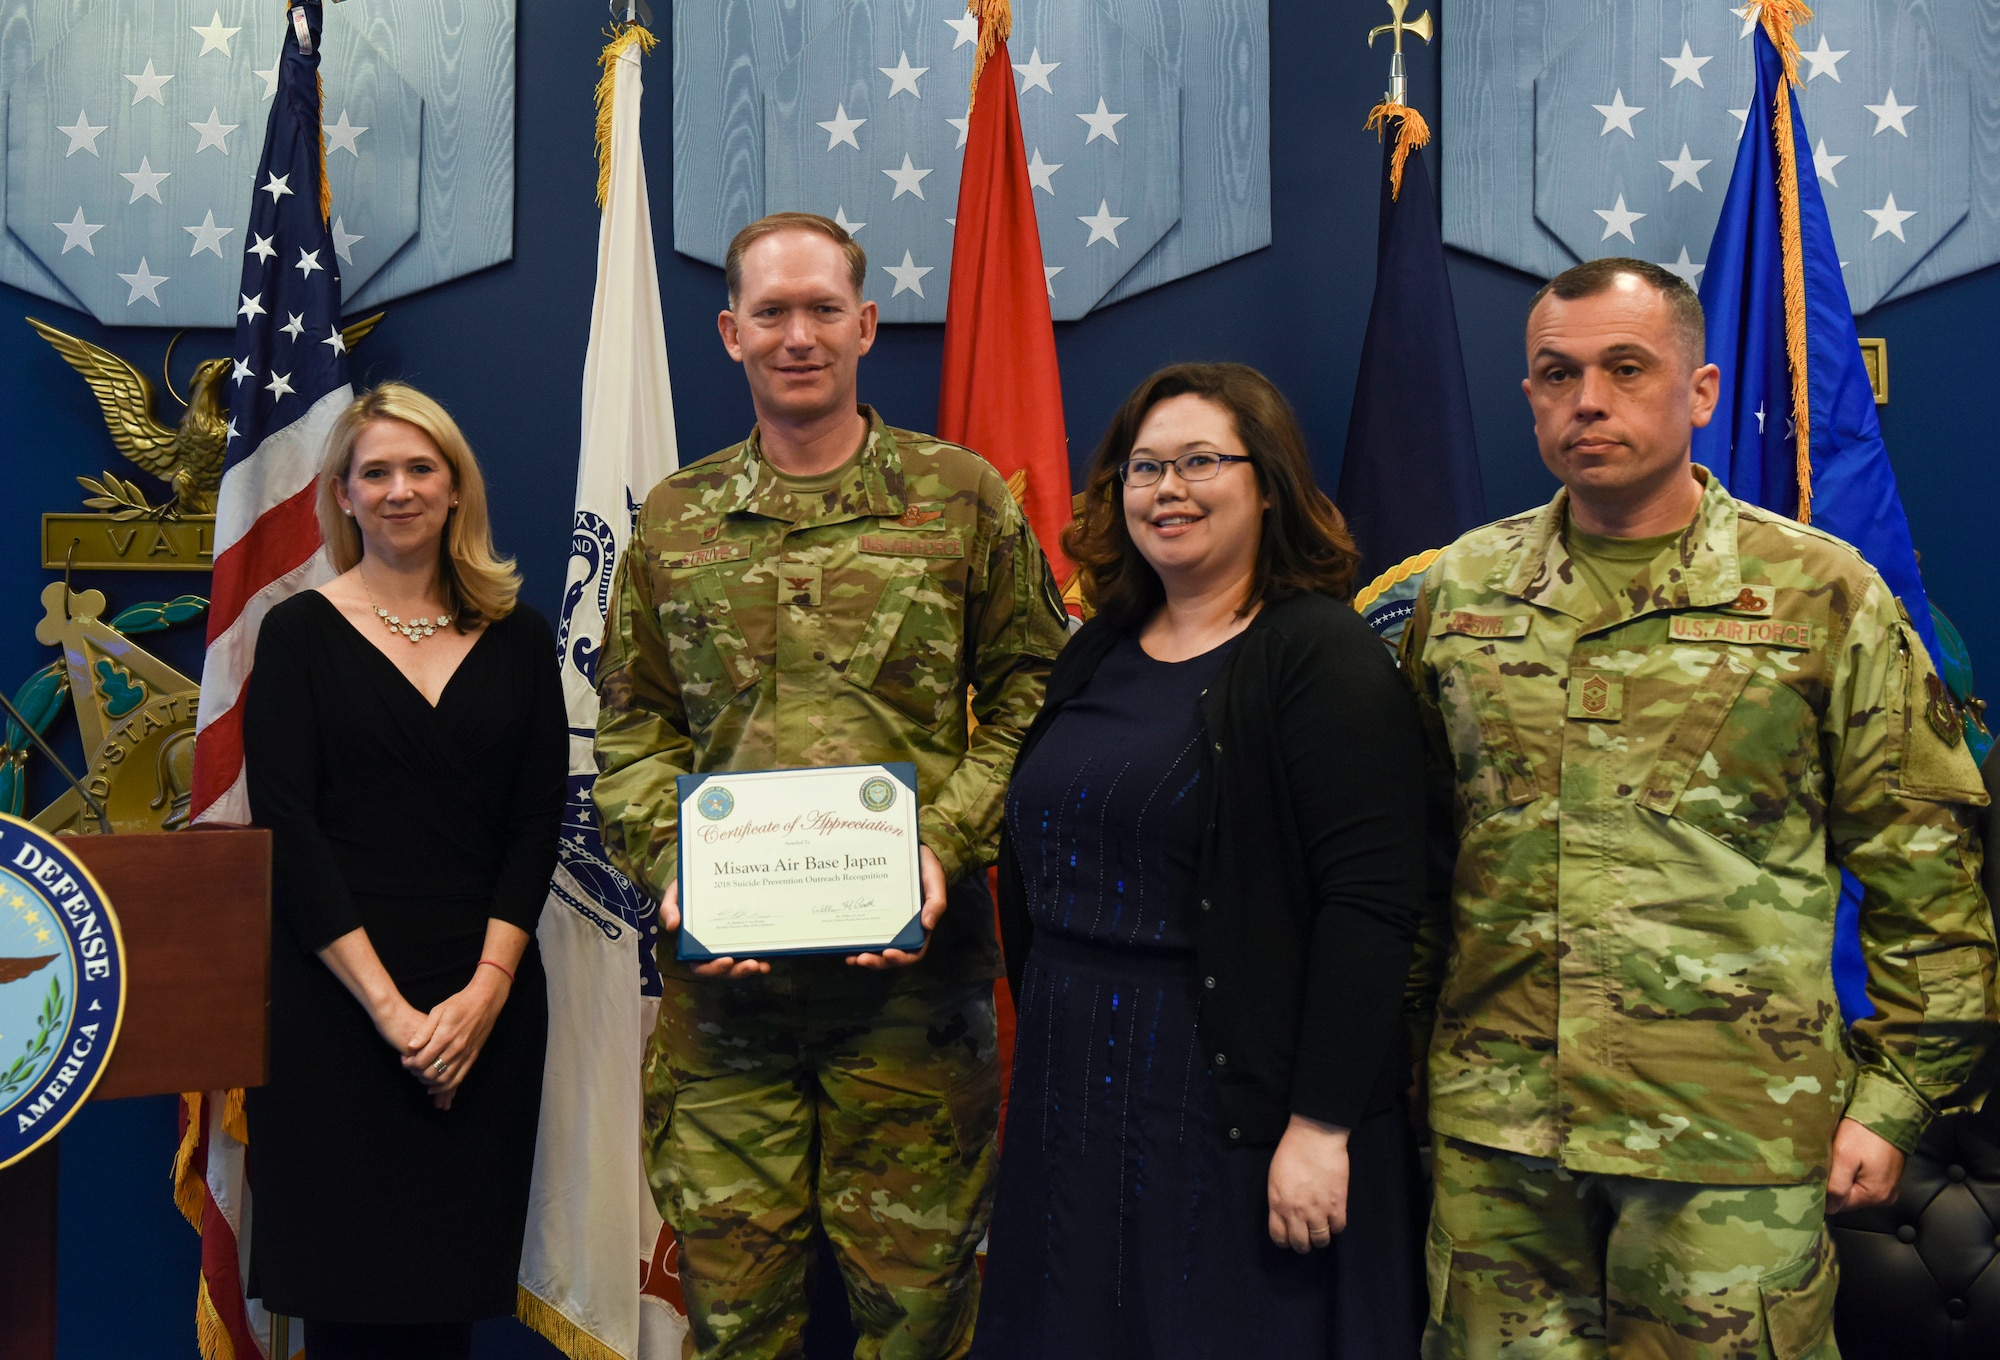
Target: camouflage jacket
[(754, 627), (1650, 803)]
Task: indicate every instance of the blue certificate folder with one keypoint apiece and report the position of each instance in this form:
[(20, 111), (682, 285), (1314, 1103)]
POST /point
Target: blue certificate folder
[(689, 789)]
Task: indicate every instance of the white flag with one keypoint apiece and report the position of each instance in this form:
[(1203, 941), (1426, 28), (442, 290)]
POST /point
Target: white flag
[(592, 1228)]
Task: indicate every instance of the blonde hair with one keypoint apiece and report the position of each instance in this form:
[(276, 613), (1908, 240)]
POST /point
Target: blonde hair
[(480, 586)]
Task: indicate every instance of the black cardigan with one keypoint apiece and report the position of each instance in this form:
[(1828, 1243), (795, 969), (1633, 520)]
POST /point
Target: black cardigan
[(1311, 882)]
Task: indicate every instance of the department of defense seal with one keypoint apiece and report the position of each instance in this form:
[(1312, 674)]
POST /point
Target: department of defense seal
[(715, 802), (877, 794), (62, 986)]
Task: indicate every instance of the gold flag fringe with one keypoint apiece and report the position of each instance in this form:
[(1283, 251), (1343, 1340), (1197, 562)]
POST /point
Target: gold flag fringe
[(565, 1335), (623, 36), (189, 1188), (1395, 576), (235, 1122), (996, 24), (325, 196), (1412, 134), (1780, 18), (209, 1333)]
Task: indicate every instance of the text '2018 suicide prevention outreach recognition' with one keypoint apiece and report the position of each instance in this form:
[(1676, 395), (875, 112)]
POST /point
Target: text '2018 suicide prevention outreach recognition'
[(799, 862)]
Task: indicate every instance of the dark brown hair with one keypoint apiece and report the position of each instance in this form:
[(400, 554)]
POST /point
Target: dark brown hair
[(1304, 546), (732, 262), (1597, 276)]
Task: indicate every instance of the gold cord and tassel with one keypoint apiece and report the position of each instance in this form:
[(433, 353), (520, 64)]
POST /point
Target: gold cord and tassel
[(189, 1189), (1780, 18), (996, 24), (1412, 134), (623, 36)]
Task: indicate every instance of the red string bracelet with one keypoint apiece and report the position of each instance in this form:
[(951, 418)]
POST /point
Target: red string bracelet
[(488, 963)]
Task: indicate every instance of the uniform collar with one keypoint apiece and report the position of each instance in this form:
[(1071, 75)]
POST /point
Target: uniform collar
[(1700, 572), (865, 491)]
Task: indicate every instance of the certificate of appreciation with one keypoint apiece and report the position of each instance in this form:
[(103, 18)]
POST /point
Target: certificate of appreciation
[(799, 862)]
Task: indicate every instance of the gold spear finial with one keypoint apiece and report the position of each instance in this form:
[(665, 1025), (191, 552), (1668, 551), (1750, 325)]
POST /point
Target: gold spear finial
[(1396, 28)]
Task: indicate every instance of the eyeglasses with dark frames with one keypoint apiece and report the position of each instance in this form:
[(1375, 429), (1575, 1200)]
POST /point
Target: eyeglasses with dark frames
[(1192, 467)]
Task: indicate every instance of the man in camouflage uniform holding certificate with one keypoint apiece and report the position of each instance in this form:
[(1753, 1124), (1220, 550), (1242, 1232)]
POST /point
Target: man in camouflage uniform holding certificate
[(824, 593), (1667, 718)]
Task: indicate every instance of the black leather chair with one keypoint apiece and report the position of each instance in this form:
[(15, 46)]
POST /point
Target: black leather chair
[(1921, 1277)]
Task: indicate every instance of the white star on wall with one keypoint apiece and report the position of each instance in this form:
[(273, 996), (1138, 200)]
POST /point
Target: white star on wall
[(343, 240), (1617, 221), (342, 135), (1101, 123), (144, 284), (82, 134), (1687, 170), (145, 181), (1742, 117), (1686, 268), (1824, 162), (909, 179), (215, 37), (213, 133), (840, 128), (1687, 66), (1888, 114), (1748, 14), (964, 126), (1618, 114), (1824, 62), (1889, 219), (1035, 72), (909, 275), (207, 236), (148, 85), (903, 76), (1049, 272), (270, 79), (840, 220), (1041, 174), (967, 30), (1103, 226), (77, 233)]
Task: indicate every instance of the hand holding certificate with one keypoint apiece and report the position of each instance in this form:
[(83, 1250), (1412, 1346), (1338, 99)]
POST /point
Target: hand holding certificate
[(800, 862)]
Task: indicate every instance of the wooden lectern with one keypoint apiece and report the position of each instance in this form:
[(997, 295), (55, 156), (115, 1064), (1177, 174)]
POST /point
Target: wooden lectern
[(194, 908)]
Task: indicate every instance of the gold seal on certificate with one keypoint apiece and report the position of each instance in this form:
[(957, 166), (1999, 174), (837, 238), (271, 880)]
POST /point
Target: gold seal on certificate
[(799, 862)]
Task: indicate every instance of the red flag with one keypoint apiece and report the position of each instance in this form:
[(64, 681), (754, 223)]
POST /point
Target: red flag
[(1002, 394)]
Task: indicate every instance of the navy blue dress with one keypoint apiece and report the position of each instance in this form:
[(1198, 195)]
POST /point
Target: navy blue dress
[(1125, 1227)]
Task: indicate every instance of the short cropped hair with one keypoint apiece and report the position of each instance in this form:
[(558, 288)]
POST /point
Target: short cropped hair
[(479, 585), (1304, 547), (1597, 276), (732, 263)]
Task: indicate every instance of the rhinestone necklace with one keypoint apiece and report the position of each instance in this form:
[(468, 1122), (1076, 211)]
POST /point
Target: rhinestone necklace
[(416, 630)]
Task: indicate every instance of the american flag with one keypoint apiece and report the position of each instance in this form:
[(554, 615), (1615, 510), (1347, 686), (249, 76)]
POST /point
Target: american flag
[(289, 384)]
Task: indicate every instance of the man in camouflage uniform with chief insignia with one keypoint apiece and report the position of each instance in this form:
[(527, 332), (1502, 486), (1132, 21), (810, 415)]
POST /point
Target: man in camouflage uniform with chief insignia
[(823, 594), (1667, 718)]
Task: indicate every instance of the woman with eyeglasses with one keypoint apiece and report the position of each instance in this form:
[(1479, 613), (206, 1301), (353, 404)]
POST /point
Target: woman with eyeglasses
[(1211, 872)]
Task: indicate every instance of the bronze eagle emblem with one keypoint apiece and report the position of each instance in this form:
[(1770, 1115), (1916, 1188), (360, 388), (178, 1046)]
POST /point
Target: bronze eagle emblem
[(188, 457)]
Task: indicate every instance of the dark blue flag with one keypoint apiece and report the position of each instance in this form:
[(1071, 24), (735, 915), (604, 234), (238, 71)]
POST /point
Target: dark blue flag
[(1752, 443), (1409, 484)]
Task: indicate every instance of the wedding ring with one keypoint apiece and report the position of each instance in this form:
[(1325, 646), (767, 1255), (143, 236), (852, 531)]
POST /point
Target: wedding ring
[(441, 1065)]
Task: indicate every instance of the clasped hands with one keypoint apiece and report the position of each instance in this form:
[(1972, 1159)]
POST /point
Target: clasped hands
[(930, 873), (439, 1048)]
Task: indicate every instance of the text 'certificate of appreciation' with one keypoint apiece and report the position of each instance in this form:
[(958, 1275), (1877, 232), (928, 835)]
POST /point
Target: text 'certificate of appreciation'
[(799, 862)]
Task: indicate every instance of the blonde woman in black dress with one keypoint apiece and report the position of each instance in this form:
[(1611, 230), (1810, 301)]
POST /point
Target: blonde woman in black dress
[(406, 743)]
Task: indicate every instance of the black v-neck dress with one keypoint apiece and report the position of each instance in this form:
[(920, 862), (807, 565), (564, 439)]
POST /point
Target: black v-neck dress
[(417, 824)]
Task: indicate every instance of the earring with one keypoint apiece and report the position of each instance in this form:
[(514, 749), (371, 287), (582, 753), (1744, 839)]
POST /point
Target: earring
[(349, 510)]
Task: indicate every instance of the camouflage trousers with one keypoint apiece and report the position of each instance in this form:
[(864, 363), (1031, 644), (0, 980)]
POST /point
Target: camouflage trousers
[(1527, 1259), (769, 1110)]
